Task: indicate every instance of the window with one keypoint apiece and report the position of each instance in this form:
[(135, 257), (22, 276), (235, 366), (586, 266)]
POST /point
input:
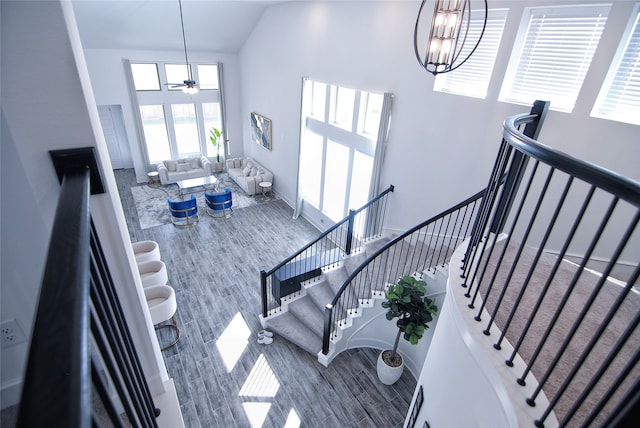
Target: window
[(176, 74), (175, 124), (370, 106), (145, 77), (552, 54), (155, 133), (472, 78), (342, 106), (619, 98), (338, 147)]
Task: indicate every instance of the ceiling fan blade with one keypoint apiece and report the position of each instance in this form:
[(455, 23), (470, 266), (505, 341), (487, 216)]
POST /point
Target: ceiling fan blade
[(175, 85)]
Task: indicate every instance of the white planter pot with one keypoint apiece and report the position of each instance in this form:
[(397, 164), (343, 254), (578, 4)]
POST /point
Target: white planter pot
[(387, 374)]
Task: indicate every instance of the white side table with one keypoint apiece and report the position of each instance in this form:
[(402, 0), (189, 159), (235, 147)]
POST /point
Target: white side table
[(154, 177), (265, 187)]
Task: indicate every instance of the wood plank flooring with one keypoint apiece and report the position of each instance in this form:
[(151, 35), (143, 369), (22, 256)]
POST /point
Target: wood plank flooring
[(223, 376)]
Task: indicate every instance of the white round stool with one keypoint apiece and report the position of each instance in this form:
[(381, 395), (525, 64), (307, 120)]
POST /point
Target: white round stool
[(161, 300), (146, 251), (153, 272)]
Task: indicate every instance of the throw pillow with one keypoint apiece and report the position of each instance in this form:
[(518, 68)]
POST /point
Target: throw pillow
[(246, 171), (183, 167), (249, 164), (237, 163), (171, 165), (193, 163), (254, 171)]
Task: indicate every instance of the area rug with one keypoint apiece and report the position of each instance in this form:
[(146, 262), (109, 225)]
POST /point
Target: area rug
[(151, 200)]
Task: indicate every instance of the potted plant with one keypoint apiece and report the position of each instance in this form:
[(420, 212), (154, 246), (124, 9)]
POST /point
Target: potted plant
[(406, 301), (214, 136)]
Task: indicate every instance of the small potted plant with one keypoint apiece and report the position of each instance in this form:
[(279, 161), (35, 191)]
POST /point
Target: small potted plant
[(214, 136), (406, 301)]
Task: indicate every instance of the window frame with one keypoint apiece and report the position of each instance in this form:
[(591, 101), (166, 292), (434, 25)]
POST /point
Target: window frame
[(630, 34), (167, 97), (560, 101)]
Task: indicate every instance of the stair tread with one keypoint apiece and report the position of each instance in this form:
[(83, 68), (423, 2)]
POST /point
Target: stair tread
[(321, 294), (335, 278), (371, 247), (308, 313), (291, 329)]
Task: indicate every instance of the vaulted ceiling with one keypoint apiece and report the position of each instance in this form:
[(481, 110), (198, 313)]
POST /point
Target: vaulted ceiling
[(210, 25)]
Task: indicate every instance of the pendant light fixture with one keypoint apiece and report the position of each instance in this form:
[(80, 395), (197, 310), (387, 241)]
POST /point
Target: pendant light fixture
[(447, 35)]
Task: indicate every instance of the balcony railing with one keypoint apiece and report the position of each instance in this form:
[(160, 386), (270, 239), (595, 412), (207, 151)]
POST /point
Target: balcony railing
[(81, 343), (553, 270)]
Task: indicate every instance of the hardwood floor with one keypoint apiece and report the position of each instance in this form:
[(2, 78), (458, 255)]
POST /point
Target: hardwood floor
[(223, 376)]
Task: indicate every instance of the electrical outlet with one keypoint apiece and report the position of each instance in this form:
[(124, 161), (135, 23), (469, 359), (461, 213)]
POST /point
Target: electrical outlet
[(11, 333)]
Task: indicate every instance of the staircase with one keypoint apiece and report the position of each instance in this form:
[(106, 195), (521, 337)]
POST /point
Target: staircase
[(300, 319)]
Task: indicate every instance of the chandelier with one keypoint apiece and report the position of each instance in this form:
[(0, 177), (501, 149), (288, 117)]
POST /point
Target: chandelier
[(447, 35)]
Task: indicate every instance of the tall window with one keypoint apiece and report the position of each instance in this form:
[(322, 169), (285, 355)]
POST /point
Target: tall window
[(552, 54), (338, 147), (472, 78), (619, 98), (176, 125)]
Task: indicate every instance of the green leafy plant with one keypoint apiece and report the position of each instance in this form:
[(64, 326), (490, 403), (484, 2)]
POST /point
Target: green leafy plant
[(214, 136), (406, 301)]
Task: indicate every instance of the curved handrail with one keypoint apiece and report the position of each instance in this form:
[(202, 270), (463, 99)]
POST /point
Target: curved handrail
[(328, 231), (399, 238), (328, 325), (614, 183), (358, 227)]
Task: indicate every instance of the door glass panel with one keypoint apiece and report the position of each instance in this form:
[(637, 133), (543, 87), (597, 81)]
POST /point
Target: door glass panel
[(145, 77), (208, 76), (155, 133), (211, 112), (311, 166), (335, 180), (186, 128)]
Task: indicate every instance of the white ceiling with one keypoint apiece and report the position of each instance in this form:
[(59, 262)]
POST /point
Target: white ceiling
[(210, 25)]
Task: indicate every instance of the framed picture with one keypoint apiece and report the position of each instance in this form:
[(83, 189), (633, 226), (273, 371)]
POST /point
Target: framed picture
[(261, 130), (416, 408)]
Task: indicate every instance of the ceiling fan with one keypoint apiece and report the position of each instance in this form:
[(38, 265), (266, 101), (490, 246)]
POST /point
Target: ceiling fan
[(188, 86)]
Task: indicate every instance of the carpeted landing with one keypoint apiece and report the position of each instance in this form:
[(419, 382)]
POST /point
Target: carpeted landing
[(527, 286), (151, 200)]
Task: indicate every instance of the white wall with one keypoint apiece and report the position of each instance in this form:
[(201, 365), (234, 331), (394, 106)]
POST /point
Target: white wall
[(47, 104), (108, 78), (441, 146)]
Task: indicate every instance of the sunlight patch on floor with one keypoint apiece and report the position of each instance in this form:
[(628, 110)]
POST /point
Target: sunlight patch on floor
[(293, 421), (256, 413), (233, 341), (261, 382)]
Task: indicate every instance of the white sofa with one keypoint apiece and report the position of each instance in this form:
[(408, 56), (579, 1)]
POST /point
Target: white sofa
[(248, 173), (171, 171)]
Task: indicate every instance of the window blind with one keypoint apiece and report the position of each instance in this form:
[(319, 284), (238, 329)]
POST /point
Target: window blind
[(554, 55), (472, 78), (619, 98)]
